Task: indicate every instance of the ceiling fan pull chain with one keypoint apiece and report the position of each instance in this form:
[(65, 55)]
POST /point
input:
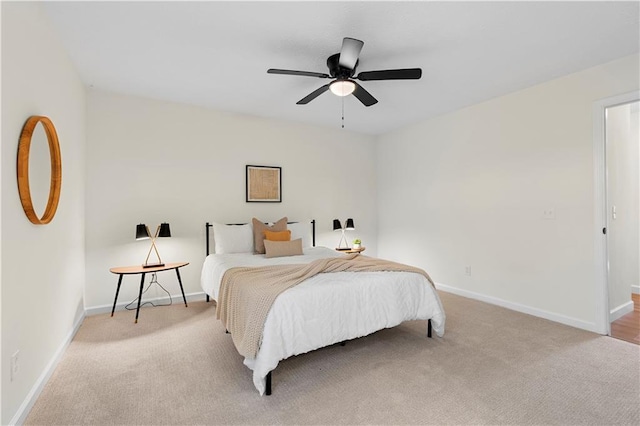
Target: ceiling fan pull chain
[(343, 112)]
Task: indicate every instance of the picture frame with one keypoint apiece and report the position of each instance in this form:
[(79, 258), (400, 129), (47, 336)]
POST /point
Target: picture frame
[(263, 184)]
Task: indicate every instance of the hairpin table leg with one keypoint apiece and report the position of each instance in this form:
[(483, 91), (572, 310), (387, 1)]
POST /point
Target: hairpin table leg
[(117, 291), (140, 296), (181, 289)]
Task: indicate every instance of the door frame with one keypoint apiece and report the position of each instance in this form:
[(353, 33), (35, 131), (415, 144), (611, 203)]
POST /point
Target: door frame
[(601, 215)]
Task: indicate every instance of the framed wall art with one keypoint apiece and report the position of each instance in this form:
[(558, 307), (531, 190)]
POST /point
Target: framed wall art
[(264, 184)]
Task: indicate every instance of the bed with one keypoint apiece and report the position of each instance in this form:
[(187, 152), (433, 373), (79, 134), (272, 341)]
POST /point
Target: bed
[(323, 310)]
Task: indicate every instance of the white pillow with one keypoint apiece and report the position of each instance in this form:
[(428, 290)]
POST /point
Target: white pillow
[(233, 238), (301, 230)]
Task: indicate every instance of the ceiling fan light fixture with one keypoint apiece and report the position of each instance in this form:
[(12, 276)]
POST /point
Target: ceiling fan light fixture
[(342, 87)]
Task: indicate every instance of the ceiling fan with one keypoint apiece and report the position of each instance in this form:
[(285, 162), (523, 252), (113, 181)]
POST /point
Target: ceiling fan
[(342, 68)]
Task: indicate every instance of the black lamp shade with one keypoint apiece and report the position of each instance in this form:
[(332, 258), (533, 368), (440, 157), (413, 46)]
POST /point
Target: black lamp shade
[(336, 225), (349, 225), (141, 232), (165, 231)]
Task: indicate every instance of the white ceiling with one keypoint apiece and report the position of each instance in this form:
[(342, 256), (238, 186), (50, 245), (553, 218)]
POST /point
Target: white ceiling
[(216, 54)]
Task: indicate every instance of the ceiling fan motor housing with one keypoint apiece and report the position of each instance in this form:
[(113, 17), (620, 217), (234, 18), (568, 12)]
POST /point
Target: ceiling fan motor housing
[(336, 71)]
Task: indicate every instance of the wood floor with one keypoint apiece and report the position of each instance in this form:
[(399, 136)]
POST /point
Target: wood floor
[(628, 327)]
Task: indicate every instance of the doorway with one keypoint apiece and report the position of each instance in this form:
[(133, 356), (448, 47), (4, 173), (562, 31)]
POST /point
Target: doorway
[(617, 208), (622, 155)]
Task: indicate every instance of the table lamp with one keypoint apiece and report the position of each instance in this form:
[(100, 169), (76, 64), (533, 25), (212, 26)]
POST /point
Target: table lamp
[(337, 226), (142, 233)]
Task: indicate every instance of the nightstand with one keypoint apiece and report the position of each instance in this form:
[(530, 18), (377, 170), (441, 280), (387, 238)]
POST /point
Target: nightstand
[(352, 250), (132, 270)]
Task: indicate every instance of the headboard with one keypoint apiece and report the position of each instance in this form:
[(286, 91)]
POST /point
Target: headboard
[(209, 225)]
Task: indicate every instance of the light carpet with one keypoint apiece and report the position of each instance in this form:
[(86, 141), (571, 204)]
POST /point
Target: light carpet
[(493, 366)]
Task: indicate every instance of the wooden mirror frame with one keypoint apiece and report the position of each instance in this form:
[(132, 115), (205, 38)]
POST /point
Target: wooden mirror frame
[(24, 190)]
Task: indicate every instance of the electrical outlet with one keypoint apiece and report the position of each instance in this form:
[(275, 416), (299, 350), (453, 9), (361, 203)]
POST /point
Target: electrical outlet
[(549, 213), (15, 365), (467, 271)]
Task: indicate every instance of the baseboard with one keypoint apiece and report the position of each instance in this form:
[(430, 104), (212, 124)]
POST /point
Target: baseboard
[(635, 289), (573, 322), (34, 393), (620, 311), (101, 309)]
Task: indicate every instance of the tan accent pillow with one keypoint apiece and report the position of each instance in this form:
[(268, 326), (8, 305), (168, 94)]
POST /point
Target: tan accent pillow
[(283, 248), (258, 232), (277, 235)]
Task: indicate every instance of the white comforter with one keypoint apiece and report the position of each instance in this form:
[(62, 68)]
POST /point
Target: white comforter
[(328, 308)]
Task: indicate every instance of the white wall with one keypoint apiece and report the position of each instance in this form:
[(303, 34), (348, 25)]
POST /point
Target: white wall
[(622, 142), (471, 188), (1, 364), (151, 161), (42, 266)]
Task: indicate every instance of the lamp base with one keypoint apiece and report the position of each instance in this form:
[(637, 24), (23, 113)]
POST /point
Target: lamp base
[(152, 265), (343, 248)]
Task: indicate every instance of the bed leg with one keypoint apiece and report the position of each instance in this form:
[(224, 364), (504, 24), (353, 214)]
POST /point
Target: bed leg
[(207, 298), (429, 328), (268, 385)]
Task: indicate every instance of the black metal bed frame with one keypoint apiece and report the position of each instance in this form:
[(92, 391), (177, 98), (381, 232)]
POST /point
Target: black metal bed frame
[(313, 243)]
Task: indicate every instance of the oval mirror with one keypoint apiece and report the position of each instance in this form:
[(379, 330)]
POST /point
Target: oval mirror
[(39, 169)]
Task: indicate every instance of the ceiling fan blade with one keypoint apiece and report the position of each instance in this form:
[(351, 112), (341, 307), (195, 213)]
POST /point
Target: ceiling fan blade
[(350, 52), (364, 96), (311, 96), (401, 74), (301, 73)]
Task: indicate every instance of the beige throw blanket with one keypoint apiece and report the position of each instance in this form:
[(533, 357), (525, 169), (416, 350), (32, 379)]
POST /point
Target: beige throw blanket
[(247, 293)]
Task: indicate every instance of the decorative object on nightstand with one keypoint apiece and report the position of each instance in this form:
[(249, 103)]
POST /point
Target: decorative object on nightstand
[(357, 243), (349, 226), (142, 233)]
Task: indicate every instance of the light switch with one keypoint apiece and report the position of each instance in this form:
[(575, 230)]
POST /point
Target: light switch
[(614, 213)]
